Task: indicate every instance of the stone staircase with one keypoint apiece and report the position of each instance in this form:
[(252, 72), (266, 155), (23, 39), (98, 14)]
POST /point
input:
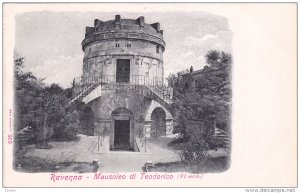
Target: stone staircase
[(159, 95), (82, 94), (178, 99), (224, 137)]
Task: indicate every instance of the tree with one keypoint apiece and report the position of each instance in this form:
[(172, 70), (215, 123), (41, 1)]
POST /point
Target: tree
[(212, 57), (217, 84), (42, 107), (217, 58), (27, 95), (176, 81), (206, 103)]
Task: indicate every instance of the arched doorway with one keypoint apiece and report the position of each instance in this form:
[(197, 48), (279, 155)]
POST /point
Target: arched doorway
[(87, 121), (158, 124), (122, 130)]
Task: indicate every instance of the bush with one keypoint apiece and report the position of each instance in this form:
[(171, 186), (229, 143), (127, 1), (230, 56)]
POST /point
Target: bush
[(193, 146), (67, 128), (194, 151)]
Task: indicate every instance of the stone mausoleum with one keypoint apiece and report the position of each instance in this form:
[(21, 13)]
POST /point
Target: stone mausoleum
[(122, 84)]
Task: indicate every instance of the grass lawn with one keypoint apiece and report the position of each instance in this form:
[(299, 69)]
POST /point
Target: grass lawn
[(36, 164), (212, 165)]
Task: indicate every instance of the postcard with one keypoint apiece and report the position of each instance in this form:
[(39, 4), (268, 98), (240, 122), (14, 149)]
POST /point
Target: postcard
[(149, 95)]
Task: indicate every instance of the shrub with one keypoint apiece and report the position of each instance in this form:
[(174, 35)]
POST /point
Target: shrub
[(194, 151), (67, 128), (193, 146)]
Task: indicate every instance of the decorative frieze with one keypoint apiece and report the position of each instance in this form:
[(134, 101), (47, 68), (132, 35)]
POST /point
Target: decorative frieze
[(122, 35)]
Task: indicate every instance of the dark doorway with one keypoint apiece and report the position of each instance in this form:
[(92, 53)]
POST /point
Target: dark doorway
[(123, 70), (122, 135)]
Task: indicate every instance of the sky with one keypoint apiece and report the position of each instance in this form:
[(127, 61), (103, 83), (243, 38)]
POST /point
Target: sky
[(50, 42)]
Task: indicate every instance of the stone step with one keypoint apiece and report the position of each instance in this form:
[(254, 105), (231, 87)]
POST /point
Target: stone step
[(223, 137), (221, 134), (220, 139), (224, 140), (159, 97), (83, 94)]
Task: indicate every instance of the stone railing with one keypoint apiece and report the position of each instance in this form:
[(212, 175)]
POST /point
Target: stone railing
[(136, 82)]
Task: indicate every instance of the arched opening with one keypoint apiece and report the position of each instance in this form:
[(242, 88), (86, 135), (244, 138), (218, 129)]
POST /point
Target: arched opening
[(87, 121), (158, 124), (122, 124)]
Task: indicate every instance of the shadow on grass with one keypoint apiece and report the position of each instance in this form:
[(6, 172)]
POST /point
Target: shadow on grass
[(212, 165), (36, 165), (177, 141)]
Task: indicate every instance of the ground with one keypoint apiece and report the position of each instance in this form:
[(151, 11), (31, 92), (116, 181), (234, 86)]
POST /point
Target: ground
[(82, 151), (67, 156)]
